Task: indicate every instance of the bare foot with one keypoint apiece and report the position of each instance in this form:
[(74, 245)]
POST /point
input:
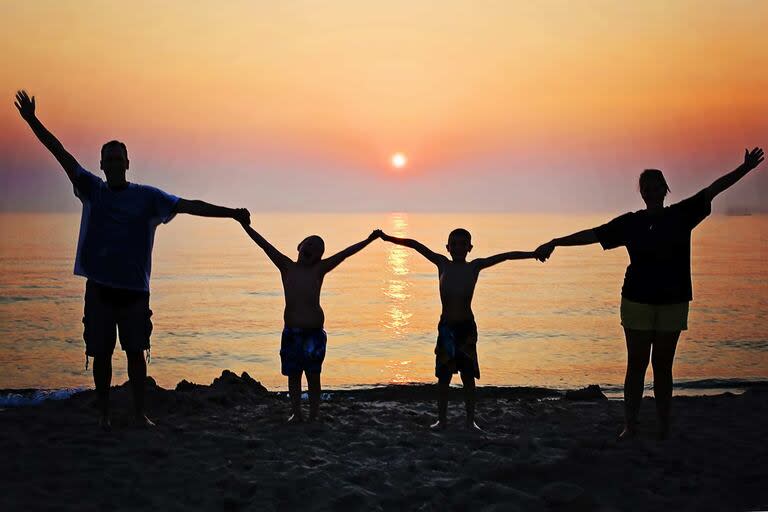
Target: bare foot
[(105, 424), (471, 425), (143, 421), (439, 425), (295, 418), (629, 432)]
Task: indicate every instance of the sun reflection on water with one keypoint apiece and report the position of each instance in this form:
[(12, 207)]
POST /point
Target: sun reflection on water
[(399, 372), (396, 289)]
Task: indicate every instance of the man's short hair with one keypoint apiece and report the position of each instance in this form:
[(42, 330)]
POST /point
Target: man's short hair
[(115, 143)]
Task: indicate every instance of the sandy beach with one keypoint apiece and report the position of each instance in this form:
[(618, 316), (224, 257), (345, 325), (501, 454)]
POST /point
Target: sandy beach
[(226, 447)]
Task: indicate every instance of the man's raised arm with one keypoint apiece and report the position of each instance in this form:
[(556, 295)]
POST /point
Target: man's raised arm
[(422, 249), (26, 107)]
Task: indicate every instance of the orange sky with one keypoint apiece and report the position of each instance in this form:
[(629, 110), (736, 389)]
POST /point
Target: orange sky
[(285, 96)]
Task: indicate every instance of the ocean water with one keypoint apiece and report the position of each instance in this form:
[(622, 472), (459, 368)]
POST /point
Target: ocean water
[(217, 302)]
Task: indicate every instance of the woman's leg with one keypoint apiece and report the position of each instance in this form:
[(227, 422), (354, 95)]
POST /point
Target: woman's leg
[(664, 345), (638, 354)]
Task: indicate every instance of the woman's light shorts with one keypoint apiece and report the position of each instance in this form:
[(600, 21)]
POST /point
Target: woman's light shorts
[(654, 317)]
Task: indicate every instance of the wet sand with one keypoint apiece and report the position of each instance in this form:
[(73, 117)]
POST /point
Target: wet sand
[(226, 447)]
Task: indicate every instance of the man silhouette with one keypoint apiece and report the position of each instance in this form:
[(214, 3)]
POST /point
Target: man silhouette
[(114, 254)]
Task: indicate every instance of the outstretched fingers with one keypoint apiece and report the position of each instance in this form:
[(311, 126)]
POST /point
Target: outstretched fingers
[(19, 100), (758, 154), (24, 103), (754, 157)]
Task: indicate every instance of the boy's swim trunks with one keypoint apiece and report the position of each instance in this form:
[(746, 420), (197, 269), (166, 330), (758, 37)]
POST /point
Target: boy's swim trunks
[(456, 349), (302, 350)]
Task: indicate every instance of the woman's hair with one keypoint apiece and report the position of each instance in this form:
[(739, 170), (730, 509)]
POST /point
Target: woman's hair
[(649, 176)]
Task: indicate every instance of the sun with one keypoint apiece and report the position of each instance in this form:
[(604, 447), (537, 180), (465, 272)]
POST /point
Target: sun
[(399, 160)]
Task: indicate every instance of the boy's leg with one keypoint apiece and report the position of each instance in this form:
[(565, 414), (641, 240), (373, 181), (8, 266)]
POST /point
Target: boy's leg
[(443, 385), (664, 345), (469, 398), (294, 392), (638, 354), (313, 383)]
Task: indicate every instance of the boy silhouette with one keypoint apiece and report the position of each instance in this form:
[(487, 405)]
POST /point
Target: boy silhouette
[(456, 350), (302, 347)]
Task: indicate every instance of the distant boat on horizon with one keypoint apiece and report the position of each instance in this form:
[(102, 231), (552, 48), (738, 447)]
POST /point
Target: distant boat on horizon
[(738, 212)]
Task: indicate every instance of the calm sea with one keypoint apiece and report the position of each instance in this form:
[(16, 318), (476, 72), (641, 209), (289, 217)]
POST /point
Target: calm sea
[(217, 302)]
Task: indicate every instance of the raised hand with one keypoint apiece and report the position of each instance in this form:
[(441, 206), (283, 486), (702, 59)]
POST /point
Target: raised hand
[(376, 233), (25, 105), (753, 158), (544, 251), (243, 216)]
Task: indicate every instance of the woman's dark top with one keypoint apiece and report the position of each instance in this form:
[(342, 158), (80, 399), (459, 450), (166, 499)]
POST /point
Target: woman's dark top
[(659, 247)]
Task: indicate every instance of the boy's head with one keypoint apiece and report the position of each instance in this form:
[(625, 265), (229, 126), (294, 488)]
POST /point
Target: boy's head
[(459, 243), (311, 249), (653, 186), (114, 159)]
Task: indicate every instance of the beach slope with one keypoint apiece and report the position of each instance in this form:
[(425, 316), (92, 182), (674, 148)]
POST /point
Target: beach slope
[(225, 447)]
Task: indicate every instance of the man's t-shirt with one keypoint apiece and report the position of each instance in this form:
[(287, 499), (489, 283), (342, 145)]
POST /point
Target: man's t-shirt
[(117, 230), (659, 246)]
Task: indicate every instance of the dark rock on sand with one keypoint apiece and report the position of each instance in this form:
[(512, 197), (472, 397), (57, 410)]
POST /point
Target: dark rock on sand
[(588, 393)]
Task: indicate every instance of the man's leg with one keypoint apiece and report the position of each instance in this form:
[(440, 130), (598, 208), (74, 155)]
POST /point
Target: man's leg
[(137, 376), (664, 345), (100, 336), (294, 392), (638, 354), (443, 385), (313, 383), (102, 379), (134, 322), (469, 398)]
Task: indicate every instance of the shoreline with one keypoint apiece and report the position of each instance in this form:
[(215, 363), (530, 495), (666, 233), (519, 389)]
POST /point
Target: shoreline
[(25, 397)]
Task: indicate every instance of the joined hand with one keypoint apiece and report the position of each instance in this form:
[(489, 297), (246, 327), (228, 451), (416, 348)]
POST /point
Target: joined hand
[(243, 216), (544, 251)]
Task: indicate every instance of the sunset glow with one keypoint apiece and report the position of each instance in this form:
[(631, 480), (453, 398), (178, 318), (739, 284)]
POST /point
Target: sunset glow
[(279, 97), (399, 160)]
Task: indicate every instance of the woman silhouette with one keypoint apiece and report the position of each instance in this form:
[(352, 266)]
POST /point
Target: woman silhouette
[(657, 284)]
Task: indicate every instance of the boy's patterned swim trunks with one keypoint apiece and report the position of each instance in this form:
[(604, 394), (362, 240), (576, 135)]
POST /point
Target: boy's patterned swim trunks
[(302, 350), (456, 349)]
